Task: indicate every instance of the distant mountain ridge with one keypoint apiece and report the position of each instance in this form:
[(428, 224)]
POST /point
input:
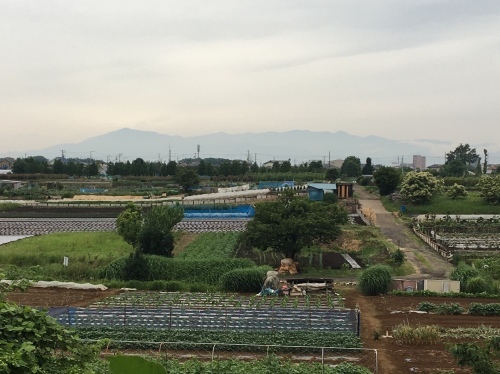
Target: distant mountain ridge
[(296, 145)]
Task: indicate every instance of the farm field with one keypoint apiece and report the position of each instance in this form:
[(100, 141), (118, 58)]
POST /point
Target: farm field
[(383, 313), (378, 313)]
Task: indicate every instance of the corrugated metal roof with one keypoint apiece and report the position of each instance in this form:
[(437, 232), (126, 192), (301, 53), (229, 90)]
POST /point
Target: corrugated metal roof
[(323, 186)]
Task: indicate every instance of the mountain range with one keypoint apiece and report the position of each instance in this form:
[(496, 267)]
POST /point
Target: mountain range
[(297, 145)]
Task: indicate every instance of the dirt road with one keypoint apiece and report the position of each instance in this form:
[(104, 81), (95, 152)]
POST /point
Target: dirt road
[(426, 262)]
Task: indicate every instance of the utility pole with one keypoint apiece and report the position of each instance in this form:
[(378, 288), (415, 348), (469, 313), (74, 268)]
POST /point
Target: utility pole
[(329, 160), (248, 156), (91, 155), (169, 154)]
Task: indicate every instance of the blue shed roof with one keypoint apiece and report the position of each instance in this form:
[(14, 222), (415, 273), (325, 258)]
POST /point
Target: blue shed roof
[(323, 186)]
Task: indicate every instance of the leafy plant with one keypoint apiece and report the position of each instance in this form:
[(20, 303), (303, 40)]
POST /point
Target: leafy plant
[(375, 280)]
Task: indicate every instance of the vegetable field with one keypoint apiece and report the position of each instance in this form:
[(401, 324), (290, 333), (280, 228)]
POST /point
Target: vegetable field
[(200, 311), (456, 235)]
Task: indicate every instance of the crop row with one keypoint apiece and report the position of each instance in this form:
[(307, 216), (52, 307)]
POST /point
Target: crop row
[(268, 365), (138, 338), (464, 295), (475, 309), (219, 300), (211, 245)]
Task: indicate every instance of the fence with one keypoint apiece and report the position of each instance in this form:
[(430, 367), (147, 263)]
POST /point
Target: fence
[(320, 358), (331, 320)]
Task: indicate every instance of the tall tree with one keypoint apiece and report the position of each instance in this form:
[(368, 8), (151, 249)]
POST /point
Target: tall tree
[(332, 174), (292, 223), (368, 168), (485, 165), (129, 223), (351, 167), (155, 236), (387, 179), (186, 178), (463, 155)]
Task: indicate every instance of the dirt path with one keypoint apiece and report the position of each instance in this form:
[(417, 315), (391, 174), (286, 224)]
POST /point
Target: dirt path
[(426, 262)]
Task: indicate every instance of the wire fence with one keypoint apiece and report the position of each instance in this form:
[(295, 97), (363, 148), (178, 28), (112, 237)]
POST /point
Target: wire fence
[(321, 358)]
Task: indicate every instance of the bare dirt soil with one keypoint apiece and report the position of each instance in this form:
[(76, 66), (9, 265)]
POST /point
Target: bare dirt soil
[(55, 297), (377, 315)]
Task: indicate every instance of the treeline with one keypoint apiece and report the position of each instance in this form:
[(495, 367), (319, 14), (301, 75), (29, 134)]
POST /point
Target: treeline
[(141, 168)]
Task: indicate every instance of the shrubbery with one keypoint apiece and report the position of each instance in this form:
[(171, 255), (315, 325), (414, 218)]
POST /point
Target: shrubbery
[(375, 280), (244, 280), (171, 269)]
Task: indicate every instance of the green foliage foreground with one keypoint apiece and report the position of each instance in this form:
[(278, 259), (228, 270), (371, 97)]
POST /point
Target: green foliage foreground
[(270, 364), (32, 342)]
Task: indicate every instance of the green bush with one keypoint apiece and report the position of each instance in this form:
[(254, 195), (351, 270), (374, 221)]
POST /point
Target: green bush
[(426, 306), (478, 309), (463, 273), (375, 280), (244, 280), (450, 309), (151, 268), (477, 285)]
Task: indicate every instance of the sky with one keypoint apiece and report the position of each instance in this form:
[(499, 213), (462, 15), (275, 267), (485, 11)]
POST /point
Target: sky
[(71, 70)]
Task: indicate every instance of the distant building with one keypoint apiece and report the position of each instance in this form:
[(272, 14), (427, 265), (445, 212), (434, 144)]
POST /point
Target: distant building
[(419, 162), (270, 164), (333, 164), (436, 167), (6, 163)]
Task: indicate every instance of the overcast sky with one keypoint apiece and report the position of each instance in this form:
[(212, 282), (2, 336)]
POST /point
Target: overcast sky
[(70, 70)]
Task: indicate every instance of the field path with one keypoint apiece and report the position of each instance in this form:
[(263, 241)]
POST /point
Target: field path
[(426, 262)]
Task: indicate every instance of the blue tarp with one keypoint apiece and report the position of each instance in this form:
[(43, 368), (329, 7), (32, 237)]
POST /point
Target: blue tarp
[(240, 211), (273, 184)]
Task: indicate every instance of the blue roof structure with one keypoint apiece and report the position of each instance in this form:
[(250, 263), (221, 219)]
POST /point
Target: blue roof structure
[(323, 186)]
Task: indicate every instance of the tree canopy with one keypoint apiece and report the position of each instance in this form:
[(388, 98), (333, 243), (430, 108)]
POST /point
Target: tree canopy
[(387, 179), (461, 160), (292, 223), (368, 167), (351, 167), (186, 178), (149, 233), (420, 187), (489, 189)]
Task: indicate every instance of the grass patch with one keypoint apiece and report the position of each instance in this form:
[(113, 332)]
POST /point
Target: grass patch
[(420, 258), (442, 204), (8, 206), (87, 251)]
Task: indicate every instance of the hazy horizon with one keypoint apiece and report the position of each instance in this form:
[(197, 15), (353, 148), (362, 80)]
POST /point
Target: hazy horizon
[(398, 70)]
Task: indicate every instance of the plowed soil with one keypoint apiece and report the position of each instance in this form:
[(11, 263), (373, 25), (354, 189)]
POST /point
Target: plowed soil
[(55, 297), (382, 313)]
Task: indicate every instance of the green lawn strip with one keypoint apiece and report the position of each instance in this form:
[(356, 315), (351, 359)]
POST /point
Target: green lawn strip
[(140, 336), (211, 245), (442, 204), (43, 255)]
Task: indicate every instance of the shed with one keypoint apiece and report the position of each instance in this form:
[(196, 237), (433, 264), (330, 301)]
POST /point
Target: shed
[(11, 184), (441, 285), (408, 285), (316, 191), (345, 190)]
